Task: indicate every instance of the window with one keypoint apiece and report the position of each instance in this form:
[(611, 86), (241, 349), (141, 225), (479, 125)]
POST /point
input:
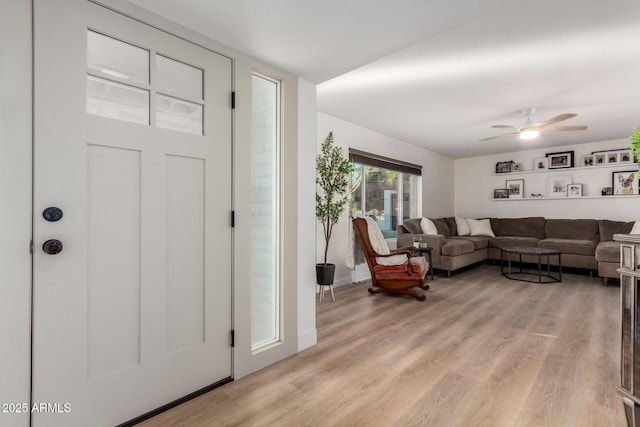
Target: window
[(385, 189), (265, 189), (119, 86)]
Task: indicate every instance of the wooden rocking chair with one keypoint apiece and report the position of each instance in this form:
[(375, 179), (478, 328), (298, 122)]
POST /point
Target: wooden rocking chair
[(395, 279)]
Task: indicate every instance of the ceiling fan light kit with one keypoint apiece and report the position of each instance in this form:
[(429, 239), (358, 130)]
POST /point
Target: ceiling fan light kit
[(531, 130), (529, 134)]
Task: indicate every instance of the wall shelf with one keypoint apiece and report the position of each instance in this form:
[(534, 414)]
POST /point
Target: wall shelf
[(524, 199), (627, 165)]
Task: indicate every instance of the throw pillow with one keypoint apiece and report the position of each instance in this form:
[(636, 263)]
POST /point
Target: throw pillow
[(480, 227), (463, 226), (636, 228), (428, 227)]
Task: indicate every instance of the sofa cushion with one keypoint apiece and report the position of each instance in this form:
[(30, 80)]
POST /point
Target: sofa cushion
[(574, 229), (418, 263), (455, 247), (442, 226), (453, 229), (494, 224), (463, 226), (511, 241), (608, 228), (413, 225), (608, 251), (428, 227), (480, 227), (479, 242), (570, 246), (521, 227)]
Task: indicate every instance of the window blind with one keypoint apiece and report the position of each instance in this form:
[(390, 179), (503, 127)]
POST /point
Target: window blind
[(364, 158)]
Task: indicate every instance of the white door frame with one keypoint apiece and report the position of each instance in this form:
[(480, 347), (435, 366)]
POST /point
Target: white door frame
[(15, 214)]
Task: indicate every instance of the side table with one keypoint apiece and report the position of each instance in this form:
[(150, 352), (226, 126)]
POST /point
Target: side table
[(422, 252)]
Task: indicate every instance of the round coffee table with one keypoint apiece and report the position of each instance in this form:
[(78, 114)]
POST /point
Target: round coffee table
[(522, 275)]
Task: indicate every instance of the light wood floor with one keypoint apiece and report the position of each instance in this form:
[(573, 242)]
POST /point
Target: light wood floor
[(480, 351)]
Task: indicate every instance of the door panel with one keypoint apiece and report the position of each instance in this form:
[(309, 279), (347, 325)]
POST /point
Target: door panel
[(136, 310), (113, 239)]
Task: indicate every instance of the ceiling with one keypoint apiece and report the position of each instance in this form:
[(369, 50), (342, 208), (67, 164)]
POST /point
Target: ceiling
[(439, 73)]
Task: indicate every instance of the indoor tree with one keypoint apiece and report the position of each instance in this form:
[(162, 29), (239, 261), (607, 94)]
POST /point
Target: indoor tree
[(333, 170), (635, 145)]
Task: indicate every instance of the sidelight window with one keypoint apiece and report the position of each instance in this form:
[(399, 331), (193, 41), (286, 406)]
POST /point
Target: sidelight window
[(265, 230)]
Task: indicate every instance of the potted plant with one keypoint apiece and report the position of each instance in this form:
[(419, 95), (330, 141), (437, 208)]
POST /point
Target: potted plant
[(635, 145), (416, 241), (332, 178)]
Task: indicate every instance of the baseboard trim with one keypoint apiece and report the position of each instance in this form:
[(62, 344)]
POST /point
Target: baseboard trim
[(351, 279), (360, 277), (307, 339), (175, 403)]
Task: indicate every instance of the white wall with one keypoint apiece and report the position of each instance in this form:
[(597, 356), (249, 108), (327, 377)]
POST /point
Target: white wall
[(437, 184), (15, 206), (475, 181), (307, 120)]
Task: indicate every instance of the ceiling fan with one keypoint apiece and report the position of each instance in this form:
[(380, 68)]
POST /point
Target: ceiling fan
[(530, 129)]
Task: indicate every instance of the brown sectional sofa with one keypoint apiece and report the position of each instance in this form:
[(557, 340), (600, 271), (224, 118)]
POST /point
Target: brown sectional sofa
[(584, 243), (608, 251)]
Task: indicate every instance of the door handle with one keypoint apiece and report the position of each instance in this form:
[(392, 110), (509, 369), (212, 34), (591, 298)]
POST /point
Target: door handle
[(52, 214), (52, 246)]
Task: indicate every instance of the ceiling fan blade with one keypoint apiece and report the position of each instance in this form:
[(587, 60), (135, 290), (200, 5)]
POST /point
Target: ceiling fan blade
[(556, 119), (563, 128), (500, 136), (506, 127)]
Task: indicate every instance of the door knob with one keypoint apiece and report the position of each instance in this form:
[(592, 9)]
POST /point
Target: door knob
[(52, 246), (52, 214)]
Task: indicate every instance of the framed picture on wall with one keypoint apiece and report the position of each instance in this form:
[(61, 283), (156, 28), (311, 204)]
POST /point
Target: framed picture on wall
[(558, 185), (588, 160), (516, 188), (621, 155), (560, 160), (625, 157), (540, 164), (624, 183), (574, 190), (501, 193)]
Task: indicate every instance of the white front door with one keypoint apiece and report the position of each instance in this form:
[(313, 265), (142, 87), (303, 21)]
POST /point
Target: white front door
[(133, 146)]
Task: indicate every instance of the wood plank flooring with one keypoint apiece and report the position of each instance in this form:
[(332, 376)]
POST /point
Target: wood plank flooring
[(482, 350)]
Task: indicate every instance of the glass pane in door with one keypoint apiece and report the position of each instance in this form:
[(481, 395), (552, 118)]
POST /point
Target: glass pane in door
[(176, 114), (114, 58), (178, 78), (117, 101)]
